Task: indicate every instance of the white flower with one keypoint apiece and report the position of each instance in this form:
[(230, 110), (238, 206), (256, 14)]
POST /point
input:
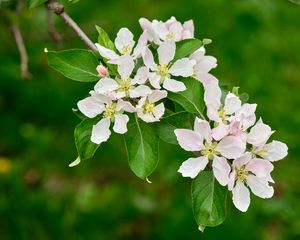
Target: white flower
[(124, 43), (124, 85), (258, 137), (203, 65), (112, 112), (251, 172), (201, 140), (171, 30), (146, 108), (162, 72)]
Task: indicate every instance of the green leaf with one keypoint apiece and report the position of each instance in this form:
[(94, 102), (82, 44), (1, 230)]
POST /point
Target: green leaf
[(34, 3), (104, 40), (82, 133), (209, 200), (142, 147), (295, 1), (167, 125), (192, 98), (186, 47), (76, 64)]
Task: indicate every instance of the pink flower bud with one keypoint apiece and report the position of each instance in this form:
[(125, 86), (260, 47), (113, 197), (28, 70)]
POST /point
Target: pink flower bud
[(102, 71)]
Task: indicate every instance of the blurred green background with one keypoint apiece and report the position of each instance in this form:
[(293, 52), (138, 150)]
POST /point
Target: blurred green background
[(257, 44)]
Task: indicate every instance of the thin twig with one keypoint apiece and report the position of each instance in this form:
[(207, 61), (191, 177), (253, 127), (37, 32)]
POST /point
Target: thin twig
[(20, 44), (52, 29), (59, 10)]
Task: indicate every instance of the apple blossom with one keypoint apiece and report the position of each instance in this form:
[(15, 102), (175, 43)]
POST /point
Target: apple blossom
[(253, 173), (123, 85), (146, 108), (161, 73), (112, 111), (102, 71), (200, 140)]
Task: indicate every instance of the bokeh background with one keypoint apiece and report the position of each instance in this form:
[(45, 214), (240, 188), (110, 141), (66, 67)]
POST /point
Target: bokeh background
[(257, 44)]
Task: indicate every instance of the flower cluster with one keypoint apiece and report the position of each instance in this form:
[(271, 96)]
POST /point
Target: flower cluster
[(135, 77)]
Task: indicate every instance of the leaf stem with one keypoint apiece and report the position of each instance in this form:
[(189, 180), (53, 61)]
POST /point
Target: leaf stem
[(58, 9)]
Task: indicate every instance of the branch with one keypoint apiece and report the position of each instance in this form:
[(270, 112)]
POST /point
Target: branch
[(52, 29), (59, 10)]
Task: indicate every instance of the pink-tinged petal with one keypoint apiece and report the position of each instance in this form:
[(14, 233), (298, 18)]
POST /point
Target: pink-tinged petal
[(231, 180), (100, 131), (124, 40), (157, 95), (193, 166), (141, 44), (189, 140), (160, 29), (242, 161), (102, 71), (203, 128), (91, 106), (259, 134), (141, 75), (176, 29), (212, 96), (260, 186), (124, 105), (221, 170), (198, 54), (188, 29), (106, 53), (159, 111), (126, 67), (246, 115), (276, 151), (182, 67), (105, 85), (220, 131), (154, 80), (148, 59), (140, 91), (145, 23), (232, 103), (174, 85), (260, 167), (120, 125), (205, 64), (241, 196), (231, 147), (166, 52)]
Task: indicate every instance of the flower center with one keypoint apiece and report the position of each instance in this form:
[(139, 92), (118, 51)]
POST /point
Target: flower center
[(126, 49), (125, 86), (149, 107), (110, 111), (163, 72), (210, 150), (242, 174), (170, 36), (222, 115), (263, 152)]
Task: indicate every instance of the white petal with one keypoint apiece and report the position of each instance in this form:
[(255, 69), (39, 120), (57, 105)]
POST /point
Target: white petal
[(124, 105), (91, 106), (231, 180), (260, 186), (145, 23), (106, 85), (241, 161), (189, 140), (141, 44), (182, 67), (141, 75), (246, 115), (259, 134), (241, 196), (198, 54), (148, 59), (174, 85), (75, 163), (205, 64), (146, 117), (231, 147), (192, 166), (166, 52), (159, 111), (124, 39), (126, 67), (203, 128), (154, 80), (221, 170), (220, 131), (100, 131), (232, 103), (176, 28), (120, 125), (260, 167), (188, 28), (276, 151), (106, 53), (212, 96), (157, 95), (140, 91)]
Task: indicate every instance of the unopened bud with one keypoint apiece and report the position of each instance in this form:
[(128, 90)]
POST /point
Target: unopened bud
[(102, 71)]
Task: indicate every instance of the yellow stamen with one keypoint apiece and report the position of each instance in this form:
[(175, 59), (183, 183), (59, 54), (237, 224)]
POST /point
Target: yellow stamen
[(241, 174), (149, 107), (170, 36), (110, 111), (126, 50), (210, 150)]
